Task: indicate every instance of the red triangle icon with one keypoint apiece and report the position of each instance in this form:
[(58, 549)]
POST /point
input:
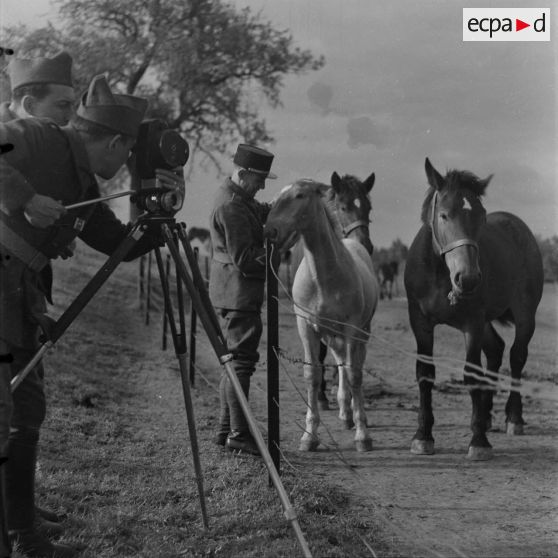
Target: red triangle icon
[(519, 25)]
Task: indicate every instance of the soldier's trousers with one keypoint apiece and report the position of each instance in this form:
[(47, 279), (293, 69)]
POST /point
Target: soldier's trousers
[(28, 414), (242, 331)]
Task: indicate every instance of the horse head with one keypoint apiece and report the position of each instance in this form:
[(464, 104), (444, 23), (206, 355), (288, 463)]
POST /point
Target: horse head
[(455, 214), (294, 210), (350, 202)]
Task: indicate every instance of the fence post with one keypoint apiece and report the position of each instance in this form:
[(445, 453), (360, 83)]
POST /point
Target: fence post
[(148, 289), (165, 318), (272, 267), (193, 326)]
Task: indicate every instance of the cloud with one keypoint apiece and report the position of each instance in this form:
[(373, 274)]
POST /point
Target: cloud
[(320, 95), (363, 131)]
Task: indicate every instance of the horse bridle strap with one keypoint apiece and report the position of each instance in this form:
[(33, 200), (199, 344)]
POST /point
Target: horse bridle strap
[(451, 245), (355, 225)]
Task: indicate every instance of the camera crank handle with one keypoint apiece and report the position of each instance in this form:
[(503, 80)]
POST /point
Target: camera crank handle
[(97, 200)]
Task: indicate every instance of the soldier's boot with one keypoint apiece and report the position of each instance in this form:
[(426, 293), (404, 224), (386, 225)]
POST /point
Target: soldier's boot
[(19, 474), (224, 416), (240, 439)]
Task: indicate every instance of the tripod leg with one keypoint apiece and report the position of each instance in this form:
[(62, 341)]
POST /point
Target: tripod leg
[(210, 323), (81, 300), (179, 341)]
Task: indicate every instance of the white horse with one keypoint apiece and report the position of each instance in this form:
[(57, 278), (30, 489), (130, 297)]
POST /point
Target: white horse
[(335, 292)]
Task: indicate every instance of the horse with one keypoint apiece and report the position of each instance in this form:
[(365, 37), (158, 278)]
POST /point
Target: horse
[(202, 238), (468, 269), (349, 202), (335, 292), (388, 276)]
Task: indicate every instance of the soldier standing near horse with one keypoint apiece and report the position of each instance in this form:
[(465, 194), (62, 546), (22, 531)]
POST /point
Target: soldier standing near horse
[(236, 284), (50, 167)]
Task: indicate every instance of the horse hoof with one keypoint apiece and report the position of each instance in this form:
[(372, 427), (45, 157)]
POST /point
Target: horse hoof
[(309, 445), (479, 453), (514, 429), (422, 447), (323, 405), (363, 445), (349, 423)]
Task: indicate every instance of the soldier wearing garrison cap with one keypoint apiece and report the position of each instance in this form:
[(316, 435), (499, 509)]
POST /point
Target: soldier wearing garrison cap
[(237, 279), (51, 167), (40, 87)]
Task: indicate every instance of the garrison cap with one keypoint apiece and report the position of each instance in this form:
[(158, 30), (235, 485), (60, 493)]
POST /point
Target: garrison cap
[(254, 159), (57, 70), (121, 114)]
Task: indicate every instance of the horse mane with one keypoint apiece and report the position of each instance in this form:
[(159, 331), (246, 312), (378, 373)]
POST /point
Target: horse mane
[(454, 181)]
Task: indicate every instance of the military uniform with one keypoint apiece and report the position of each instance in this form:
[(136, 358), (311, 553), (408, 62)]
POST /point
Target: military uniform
[(51, 161), (236, 289)]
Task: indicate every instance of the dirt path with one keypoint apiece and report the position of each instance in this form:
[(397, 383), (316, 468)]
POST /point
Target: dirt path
[(440, 505)]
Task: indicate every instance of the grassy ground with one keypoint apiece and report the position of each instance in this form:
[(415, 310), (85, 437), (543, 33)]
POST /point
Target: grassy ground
[(116, 456)]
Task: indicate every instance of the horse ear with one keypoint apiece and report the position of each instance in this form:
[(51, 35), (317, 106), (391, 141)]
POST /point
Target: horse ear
[(435, 179), (484, 183), (335, 181), (369, 182)]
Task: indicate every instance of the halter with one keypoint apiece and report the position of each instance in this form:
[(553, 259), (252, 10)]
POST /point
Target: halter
[(451, 245), (353, 226)]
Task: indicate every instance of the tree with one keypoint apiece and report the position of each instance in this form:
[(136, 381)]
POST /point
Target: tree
[(204, 65)]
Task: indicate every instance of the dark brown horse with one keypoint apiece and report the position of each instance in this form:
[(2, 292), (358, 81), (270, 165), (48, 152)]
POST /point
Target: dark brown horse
[(467, 269)]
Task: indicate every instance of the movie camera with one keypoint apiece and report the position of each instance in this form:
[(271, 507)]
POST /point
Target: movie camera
[(158, 147)]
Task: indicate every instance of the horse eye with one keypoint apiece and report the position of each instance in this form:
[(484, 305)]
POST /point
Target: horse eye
[(443, 216), (299, 196)]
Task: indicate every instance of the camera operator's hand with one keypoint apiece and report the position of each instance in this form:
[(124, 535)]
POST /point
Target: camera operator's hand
[(68, 250), (42, 211), (173, 179)]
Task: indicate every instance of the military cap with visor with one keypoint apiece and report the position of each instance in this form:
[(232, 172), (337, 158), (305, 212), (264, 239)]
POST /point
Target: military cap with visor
[(254, 159)]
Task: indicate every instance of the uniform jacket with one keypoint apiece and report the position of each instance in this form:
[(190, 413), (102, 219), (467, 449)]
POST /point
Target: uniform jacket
[(51, 161), (238, 267)]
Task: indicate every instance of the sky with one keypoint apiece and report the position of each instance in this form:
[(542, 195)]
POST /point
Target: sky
[(400, 85)]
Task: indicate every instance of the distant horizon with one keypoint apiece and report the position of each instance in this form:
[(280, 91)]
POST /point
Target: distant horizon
[(400, 85)]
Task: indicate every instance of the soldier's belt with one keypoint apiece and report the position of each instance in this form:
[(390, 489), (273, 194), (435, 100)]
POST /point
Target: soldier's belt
[(21, 249)]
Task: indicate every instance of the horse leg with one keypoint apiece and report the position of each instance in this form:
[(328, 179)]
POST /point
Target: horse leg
[(390, 290), (423, 330), (323, 401), (518, 356), (493, 347), (312, 375), (343, 391), (481, 397), (363, 441)]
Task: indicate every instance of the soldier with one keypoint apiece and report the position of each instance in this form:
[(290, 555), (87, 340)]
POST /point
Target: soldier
[(51, 167), (236, 284), (40, 87)]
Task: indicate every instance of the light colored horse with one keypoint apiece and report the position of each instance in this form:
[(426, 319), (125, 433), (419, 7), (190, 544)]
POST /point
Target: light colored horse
[(335, 292)]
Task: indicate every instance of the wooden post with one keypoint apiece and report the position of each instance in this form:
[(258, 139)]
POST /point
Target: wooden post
[(272, 267)]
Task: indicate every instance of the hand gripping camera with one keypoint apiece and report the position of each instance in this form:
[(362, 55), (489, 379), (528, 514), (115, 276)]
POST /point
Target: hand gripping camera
[(157, 147)]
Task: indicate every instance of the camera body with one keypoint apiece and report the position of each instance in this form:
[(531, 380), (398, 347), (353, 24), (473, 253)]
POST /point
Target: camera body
[(158, 147)]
